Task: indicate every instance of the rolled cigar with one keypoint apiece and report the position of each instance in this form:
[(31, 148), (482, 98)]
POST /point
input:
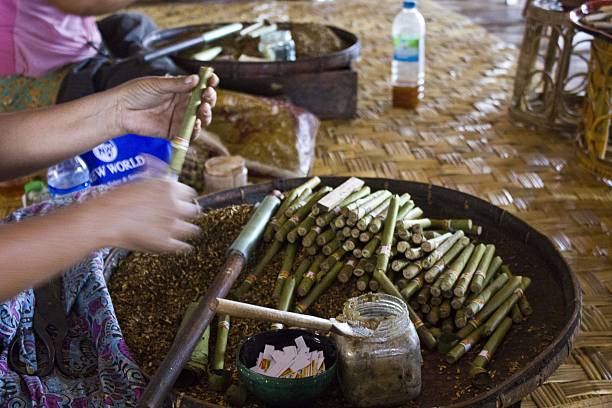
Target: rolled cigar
[(312, 250), (309, 277), (431, 234), (377, 223), (319, 289), (445, 309), (466, 276), (437, 333), (370, 248), (326, 237), (355, 233), (452, 225), (496, 263), (299, 203), (273, 225), (300, 214), (311, 238), (339, 221), (362, 283), (289, 288), (382, 259), (327, 264), (464, 346), (402, 246), (439, 252), (516, 314), (306, 225), (475, 230), (285, 270), (399, 264), (373, 285), (477, 282), (417, 234), (292, 236), (478, 373), (357, 253), (460, 319), (412, 214), (359, 269), (360, 202), (330, 247), (504, 309), (251, 278), (423, 295), (413, 286), (458, 302), (414, 253), (436, 291), (447, 294), (219, 379), (433, 243), (347, 270), (401, 283), (435, 301), (406, 224), (365, 237), (433, 317), (197, 364), (447, 256), (370, 265), (413, 269), (349, 245), (476, 303), (365, 221), (523, 303), (455, 268), (424, 334), (364, 209)]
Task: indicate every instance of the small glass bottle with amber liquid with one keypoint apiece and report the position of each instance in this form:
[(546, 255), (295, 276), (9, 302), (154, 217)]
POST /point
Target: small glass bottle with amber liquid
[(408, 66)]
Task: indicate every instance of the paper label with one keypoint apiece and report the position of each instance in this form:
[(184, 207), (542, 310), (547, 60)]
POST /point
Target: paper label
[(466, 345), (385, 249), (224, 324), (484, 354), (250, 279), (283, 275), (310, 275)]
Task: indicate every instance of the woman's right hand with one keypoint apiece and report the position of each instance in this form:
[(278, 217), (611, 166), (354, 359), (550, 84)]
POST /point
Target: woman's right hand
[(150, 215)]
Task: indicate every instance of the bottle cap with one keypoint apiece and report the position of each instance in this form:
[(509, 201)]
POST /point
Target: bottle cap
[(409, 4)]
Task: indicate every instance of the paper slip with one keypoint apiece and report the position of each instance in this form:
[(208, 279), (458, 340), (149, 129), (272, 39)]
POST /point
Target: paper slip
[(290, 362)]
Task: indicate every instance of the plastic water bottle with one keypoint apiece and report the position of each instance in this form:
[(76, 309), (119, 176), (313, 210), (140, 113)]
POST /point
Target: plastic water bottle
[(68, 177), (408, 66)]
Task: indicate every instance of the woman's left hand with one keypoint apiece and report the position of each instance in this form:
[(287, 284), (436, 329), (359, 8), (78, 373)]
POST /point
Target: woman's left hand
[(154, 106)]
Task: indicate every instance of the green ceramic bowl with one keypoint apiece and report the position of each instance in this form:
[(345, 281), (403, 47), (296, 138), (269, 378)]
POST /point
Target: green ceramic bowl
[(283, 392)]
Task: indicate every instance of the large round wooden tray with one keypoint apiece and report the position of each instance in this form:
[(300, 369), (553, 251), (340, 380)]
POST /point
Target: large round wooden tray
[(554, 293), (238, 70)]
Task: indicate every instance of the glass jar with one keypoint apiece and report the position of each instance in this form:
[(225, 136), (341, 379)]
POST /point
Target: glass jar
[(383, 369), (224, 173), (277, 46)]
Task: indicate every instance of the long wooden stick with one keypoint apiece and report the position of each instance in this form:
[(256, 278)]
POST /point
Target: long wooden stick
[(182, 347)]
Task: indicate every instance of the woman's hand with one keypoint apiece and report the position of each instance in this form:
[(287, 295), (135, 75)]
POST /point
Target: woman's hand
[(151, 215), (155, 106)]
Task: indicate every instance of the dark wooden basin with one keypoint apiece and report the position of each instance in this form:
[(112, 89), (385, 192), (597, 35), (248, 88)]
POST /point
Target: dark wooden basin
[(554, 293)]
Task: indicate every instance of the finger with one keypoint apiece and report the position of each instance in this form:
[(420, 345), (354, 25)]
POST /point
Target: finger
[(205, 114), (197, 129), (183, 191), (171, 245), (183, 230), (178, 84), (213, 80), (209, 96)]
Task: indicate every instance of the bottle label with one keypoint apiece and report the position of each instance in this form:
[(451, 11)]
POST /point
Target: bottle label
[(406, 48)]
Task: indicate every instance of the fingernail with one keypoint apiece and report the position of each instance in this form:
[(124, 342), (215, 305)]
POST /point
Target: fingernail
[(191, 79)]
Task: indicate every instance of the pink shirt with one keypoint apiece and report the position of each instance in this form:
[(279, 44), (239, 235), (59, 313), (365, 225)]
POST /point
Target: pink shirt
[(36, 37)]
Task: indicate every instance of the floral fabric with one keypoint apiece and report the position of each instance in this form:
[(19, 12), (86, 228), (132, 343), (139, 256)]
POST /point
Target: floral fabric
[(19, 92), (94, 343)]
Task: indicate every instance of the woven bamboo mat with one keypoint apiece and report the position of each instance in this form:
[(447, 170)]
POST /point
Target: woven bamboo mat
[(461, 137)]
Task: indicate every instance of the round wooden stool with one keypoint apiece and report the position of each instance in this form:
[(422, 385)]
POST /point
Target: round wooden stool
[(594, 141), (552, 69)]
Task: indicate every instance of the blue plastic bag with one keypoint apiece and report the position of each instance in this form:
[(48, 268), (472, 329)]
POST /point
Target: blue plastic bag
[(122, 158)]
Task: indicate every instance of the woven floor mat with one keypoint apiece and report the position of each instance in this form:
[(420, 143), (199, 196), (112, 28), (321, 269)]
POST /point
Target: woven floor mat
[(461, 137)]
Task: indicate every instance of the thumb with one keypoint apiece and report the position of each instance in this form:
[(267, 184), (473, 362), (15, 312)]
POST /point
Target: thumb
[(178, 84)]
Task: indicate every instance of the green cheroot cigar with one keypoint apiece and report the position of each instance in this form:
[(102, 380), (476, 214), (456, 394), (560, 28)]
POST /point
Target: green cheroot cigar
[(480, 376), (219, 378), (311, 238), (455, 268), (445, 309), (423, 295), (504, 309), (516, 314), (413, 286), (346, 211), (439, 252), (364, 222), (309, 277), (477, 302), (325, 237), (362, 283), (466, 276), (300, 214), (332, 246), (180, 143), (329, 216), (433, 317), (382, 260), (523, 303), (370, 248), (464, 225), (289, 288), (299, 203), (477, 283), (444, 258), (288, 259), (464, 346), (330, 261), (347, 270), (413, 269), (306, 225), (433, 243), (367, 207), (447, 326), (319, 289)]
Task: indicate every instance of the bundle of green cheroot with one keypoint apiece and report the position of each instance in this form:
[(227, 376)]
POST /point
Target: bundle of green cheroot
[(458, 292)]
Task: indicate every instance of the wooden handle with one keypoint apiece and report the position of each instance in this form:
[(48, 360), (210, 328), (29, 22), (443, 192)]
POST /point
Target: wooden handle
[(248, 311)]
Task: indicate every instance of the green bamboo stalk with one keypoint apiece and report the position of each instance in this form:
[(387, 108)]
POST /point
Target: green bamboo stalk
[(455, 268), (477, 282), (478, 373), (464, 346), (180, 143), (463, 283), (446, 258), (285, 270), (319, 289), (309, 278), (433, 243), (251, 278), (504, 309)]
